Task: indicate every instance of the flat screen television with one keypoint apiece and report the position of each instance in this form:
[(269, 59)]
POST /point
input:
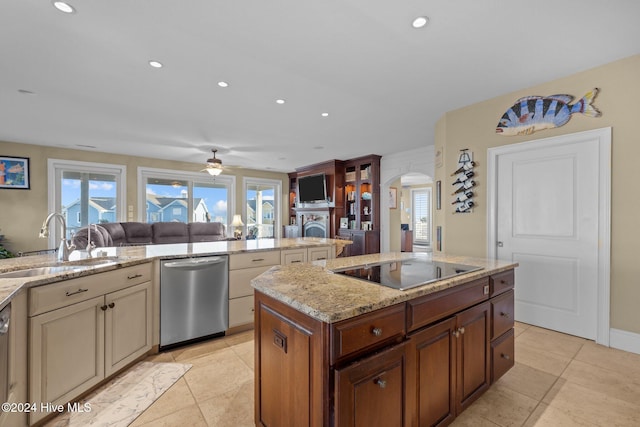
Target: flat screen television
[(312, 188)]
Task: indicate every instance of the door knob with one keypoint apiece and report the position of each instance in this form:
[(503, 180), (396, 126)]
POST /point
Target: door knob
[(500, 244)]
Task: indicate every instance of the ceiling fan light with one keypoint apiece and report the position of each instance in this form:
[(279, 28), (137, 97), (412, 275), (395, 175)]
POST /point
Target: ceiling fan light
[(214, 171)]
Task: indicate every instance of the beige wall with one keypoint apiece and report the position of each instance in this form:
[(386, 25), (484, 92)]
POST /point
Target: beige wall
[(473, 127), (395, 220), (24, 210)]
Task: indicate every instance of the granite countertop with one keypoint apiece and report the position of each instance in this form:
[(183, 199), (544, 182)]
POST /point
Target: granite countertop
[(119, 257), (315, 290)]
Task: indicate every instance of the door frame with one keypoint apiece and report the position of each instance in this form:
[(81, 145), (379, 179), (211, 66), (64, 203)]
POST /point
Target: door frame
[(603, 136)]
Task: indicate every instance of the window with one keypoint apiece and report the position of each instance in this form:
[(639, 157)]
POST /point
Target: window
[(184, 196), (421, 216), (261, 210), (85, 193)]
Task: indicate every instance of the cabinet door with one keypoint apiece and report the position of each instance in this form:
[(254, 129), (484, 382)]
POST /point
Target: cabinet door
[(371, 392), (431, 381), (473, 354), (128, 326), (66, 354), (241, 311)]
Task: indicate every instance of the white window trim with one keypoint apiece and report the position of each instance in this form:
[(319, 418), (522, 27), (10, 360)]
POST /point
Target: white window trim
[(54, 177), (246, 181), (144, 173)]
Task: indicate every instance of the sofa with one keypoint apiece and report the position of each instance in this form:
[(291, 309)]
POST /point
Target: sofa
[(142, 233)]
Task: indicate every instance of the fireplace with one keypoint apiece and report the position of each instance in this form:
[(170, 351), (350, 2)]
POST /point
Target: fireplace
[(315, 224)]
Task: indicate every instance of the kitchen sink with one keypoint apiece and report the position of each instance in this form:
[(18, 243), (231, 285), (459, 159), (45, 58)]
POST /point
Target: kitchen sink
[(39, 271), (61, 267)]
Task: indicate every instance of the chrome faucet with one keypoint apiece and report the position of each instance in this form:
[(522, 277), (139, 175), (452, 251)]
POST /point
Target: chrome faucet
[(90, 245), (65, 247)]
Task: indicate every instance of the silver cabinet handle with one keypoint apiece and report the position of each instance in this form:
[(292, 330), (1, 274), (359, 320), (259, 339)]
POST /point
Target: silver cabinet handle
[(504, 314), (380, 382), (505, 356), (79, 291), (377, 332)]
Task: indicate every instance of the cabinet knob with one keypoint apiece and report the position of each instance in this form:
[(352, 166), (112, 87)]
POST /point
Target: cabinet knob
[(455, 333), (504, 314), (505, 356), (103, 308), (377, 332), (461, 329), (112, 304), (380, 382)]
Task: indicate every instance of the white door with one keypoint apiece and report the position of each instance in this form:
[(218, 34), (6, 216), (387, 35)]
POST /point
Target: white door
[(548, 221)]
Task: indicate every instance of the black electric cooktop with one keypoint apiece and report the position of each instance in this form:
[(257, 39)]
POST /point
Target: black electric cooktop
[(408, 273)]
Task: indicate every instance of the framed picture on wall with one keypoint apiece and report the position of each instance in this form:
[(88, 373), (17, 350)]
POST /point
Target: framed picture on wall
[(14, 173), (393, 198)]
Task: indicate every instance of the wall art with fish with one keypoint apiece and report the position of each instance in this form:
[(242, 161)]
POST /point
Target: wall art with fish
[(533, 113)]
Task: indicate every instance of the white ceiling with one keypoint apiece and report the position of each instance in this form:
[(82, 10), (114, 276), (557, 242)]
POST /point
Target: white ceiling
[(383, 83)]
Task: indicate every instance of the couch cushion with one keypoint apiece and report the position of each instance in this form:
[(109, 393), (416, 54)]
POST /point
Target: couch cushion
[(116, 232), (99, 236), (170, 232), (137, 232), (206, 231)]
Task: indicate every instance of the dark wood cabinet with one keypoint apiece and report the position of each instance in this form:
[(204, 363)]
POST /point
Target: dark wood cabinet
[(371, 391), (362, 202), (364, 242), (449, 366)]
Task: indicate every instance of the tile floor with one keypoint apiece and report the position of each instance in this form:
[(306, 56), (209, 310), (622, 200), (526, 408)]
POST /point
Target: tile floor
[(558, 380)]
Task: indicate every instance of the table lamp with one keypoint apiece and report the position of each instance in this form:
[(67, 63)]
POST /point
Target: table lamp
[(237, 225)]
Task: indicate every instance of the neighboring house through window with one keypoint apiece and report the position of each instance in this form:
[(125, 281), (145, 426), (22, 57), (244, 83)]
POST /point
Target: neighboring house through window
[(262, 208), (85, 193), (168, 195)]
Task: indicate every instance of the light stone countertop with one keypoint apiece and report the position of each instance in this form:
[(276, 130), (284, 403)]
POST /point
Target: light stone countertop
[(120, 257), (315, 290)]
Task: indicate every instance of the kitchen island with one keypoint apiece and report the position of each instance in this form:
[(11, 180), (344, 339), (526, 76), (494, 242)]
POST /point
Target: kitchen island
[(332, 350)]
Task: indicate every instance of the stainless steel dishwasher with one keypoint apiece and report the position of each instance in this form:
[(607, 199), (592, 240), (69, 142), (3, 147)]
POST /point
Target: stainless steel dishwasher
[(194, 299)]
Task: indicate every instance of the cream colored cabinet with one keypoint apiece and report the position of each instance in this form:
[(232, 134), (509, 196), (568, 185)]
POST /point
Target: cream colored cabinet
[(246, 266), (75, 345), (293, 256), (320, 253), (242, 269)]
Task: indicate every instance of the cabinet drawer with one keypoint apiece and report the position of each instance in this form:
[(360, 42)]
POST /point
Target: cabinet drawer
[(367, 331), (241, 311), (293, 256), (431, 308), (254, 259), (240, 281), (502, 355), (317, 254), (502, 282), (57, 295), (501, 314)]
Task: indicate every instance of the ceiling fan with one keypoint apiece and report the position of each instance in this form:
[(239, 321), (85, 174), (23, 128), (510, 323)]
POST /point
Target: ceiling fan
[(214, 165)]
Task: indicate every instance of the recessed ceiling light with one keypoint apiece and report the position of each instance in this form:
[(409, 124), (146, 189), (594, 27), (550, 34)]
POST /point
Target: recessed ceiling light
[(63, 7), (155, 64), (279, 101), (420, 22), (325, 114), (223, 84)]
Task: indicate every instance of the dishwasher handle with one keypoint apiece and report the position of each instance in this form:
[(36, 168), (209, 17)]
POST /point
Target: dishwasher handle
[(194, 263)]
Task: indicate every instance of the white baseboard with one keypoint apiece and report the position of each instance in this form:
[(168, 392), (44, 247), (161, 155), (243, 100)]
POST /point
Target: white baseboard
[(624, 340)]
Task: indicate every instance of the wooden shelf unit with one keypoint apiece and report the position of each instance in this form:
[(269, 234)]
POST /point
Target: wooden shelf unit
[(362, 204)]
